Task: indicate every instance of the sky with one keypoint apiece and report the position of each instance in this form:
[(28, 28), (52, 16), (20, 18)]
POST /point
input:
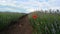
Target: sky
[(27, 6)]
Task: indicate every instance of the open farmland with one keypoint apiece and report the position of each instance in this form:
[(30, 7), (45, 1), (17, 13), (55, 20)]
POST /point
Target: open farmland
[(8, 17), (45, 23), (42, 23)]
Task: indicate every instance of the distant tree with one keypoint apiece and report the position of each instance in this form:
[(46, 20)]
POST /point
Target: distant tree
[(57, 10), (46, 11), (50, 11), (41, 11), (53, 11)]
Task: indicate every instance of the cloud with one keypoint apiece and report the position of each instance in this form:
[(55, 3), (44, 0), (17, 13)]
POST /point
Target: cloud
[(31, 5)]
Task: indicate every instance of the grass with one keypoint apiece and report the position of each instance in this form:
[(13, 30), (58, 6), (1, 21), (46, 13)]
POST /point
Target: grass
[(6, 18), (45, 23)]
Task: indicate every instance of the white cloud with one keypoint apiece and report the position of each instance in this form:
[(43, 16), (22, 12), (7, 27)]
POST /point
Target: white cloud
[(31, 5)]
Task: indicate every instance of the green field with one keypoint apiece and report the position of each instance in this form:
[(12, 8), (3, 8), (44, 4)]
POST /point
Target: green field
[(45, 23), (8, 17)]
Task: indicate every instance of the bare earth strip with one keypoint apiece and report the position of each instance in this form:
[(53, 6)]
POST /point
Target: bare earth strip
[(23, 26)]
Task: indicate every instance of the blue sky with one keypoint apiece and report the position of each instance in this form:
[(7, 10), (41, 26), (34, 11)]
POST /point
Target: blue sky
[(27, 6)]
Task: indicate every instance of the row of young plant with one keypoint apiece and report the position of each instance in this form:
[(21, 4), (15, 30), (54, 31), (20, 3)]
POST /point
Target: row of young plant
[(45, 24), (7, 18)]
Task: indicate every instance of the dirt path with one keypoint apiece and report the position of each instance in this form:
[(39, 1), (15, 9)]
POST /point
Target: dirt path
[(21, 27)]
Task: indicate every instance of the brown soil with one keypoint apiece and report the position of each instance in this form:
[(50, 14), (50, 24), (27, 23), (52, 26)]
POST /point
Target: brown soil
[(23, 26)]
